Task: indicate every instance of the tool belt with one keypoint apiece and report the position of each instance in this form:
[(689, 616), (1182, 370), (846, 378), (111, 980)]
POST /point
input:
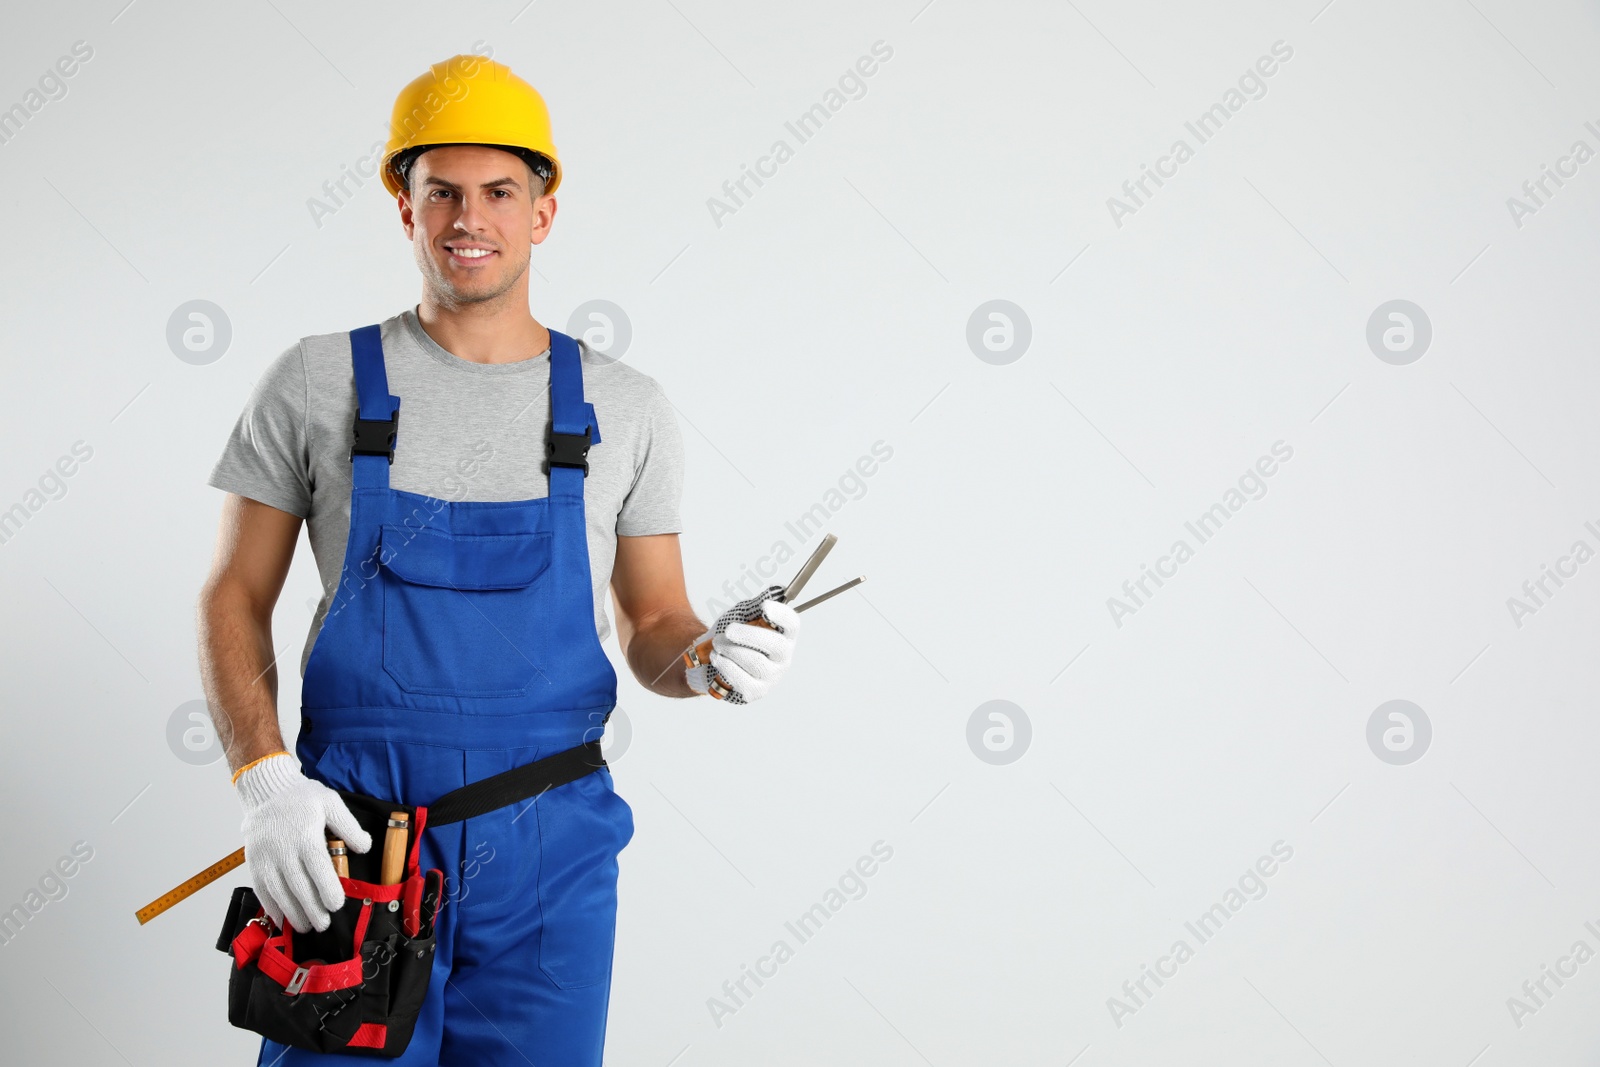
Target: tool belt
[(358, 986)]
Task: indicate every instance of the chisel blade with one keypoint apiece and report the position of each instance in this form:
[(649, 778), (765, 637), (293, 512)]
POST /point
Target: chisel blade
[(810, 568), (814, 601)]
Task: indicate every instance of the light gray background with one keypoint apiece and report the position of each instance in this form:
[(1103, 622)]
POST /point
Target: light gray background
[(831, 311)]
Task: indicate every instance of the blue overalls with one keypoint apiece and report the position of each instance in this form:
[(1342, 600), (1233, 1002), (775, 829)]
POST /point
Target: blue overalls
[(462, 643)]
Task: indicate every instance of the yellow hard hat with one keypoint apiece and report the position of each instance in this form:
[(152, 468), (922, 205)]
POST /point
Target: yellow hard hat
[(470, 99)]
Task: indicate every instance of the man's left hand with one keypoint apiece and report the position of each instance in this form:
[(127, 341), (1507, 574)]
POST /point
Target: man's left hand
[(747, 659)]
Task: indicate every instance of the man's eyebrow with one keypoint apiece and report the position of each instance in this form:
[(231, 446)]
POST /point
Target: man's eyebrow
[(431, 180)]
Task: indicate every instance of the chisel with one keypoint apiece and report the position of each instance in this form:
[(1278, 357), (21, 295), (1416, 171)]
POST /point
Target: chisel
[(701, 653)]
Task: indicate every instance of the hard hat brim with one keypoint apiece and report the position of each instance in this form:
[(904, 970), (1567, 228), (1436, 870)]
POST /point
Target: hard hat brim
[(390, 179)]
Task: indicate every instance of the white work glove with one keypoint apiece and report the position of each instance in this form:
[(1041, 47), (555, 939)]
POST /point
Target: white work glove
[(285, 845), (747, 660)]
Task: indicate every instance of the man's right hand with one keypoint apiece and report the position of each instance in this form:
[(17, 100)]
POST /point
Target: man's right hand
[(285, 814)]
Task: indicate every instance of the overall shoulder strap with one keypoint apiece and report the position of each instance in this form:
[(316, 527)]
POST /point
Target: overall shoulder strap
[(377, 412), (567, 447)]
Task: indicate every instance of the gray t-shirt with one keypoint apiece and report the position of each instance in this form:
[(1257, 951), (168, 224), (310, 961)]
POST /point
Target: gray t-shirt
[(468, 431)]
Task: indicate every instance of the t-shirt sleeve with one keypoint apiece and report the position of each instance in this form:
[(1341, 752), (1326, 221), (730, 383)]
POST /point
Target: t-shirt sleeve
[(651, 506), (267, 456)]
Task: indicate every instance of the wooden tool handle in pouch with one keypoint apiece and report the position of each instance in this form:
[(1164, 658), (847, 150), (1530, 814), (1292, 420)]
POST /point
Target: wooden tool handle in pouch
[(394, 848), (341, 857)]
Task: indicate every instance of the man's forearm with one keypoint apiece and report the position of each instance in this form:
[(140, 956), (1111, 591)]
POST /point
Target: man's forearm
[(655, 652), (239, 675)]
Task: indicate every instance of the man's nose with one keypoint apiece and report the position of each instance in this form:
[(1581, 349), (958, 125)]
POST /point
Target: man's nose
[(469, 218)]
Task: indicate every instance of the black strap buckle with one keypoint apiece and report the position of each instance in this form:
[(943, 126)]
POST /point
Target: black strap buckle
[(375, 437), (568, 450)]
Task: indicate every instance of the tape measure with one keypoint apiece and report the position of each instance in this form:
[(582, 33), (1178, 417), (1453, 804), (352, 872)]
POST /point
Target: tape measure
[(193, 885)]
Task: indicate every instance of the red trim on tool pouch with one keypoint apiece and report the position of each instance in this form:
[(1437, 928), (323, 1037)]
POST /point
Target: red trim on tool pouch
[(320, 977), (411, 906), (247, 943), (416, 837), (369, 1035), (380, 894), (277, 961)]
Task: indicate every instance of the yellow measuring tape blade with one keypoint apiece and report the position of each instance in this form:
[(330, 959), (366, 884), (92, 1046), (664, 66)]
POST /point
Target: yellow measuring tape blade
[(193, 885)]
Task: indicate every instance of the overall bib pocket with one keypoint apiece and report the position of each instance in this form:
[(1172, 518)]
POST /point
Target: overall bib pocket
[(463, 613)]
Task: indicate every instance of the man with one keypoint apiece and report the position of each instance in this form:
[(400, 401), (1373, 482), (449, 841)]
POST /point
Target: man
[(459, 631)]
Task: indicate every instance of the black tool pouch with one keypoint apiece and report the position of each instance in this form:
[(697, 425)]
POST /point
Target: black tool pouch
[(357, 986)]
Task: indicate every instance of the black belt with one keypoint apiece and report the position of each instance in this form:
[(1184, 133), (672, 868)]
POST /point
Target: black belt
[(496, 791)]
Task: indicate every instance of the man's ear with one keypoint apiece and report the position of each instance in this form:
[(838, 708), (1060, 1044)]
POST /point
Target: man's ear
[(544, 216), (407, 222)]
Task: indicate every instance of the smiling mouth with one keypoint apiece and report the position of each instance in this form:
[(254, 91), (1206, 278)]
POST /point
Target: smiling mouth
[(470, 255)]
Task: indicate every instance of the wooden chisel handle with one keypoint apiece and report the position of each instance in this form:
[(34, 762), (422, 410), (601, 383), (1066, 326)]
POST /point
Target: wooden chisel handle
[(394, 849), (702, 651)]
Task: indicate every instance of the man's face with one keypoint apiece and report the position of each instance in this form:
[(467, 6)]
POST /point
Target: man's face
[(472, 218)]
